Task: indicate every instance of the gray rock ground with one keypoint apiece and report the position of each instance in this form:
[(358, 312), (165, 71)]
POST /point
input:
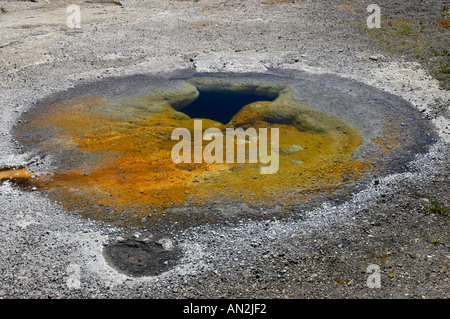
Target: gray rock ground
[(48, 253)]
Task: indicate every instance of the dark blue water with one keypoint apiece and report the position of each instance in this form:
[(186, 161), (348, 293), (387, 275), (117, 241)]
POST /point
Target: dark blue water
[(220, 106)]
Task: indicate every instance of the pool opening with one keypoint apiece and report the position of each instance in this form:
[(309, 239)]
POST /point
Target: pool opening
[(139, 258), (221, 106)]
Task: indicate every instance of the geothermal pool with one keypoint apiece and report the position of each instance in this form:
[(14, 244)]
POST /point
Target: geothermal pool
[(104, 149)]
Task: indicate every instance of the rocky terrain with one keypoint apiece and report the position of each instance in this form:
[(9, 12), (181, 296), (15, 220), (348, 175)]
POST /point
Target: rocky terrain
[(46, 252)]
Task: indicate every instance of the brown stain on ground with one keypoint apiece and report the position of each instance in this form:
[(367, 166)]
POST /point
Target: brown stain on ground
[(390, 137), (18, 176), (133, 169)]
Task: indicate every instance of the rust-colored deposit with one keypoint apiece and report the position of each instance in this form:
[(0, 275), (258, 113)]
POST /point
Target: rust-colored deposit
[(132, 168), (18, 176)]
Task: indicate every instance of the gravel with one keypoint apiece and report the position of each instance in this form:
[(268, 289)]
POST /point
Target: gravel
[(323, 252)]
